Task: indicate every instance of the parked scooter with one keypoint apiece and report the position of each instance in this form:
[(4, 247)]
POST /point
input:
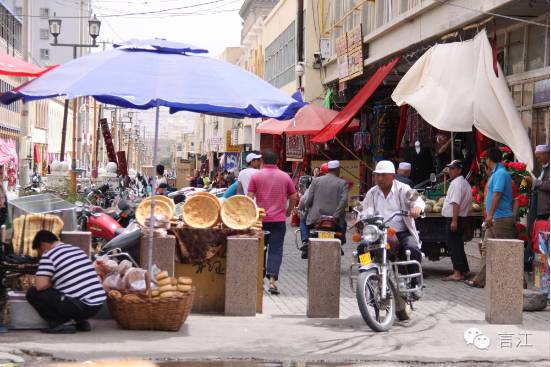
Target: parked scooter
[(383, 290), (127, 241), (102, 226)]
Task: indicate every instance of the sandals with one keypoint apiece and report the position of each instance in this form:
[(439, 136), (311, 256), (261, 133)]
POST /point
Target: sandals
[(273, 289), (472, 283)]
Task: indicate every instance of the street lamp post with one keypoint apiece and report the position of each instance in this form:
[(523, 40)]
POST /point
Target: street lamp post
[(94, 26)]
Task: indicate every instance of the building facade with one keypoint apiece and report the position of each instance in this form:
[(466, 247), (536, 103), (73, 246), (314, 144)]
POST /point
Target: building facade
[(407, 28)]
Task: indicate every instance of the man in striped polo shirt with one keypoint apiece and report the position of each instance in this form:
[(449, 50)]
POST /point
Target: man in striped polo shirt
[(67, 287)]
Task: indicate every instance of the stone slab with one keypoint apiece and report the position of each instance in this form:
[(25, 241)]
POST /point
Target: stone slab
[(163, 253), (241, 276), (82, 240), (504, 281), (324, 272)]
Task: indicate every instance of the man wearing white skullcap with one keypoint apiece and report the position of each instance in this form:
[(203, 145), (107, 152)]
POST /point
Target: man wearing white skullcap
[(389, 196), (327, 195), (403, 173), (539, 207)]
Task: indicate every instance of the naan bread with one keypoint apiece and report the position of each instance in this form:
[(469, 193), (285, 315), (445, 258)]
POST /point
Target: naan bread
[(201, 211), (239, 212)]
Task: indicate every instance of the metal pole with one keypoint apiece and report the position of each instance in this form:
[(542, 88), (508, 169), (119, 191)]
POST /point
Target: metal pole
[(24, 140), (153, 189), (64, 129), (73, 153)]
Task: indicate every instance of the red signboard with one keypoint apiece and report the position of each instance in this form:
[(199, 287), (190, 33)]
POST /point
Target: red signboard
[(109, 146)]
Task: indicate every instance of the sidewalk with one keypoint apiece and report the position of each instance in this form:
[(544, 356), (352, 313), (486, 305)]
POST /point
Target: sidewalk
[(284, 333)]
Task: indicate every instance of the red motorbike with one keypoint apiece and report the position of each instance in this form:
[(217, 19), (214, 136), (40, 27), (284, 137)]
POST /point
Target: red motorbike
[(102, 225)]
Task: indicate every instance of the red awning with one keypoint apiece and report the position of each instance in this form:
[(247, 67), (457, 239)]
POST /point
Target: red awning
[(309, 120), (9, 65), (344, 117)]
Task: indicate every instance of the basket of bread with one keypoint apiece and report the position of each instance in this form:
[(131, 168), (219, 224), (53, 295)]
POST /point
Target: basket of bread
[(140, 302)]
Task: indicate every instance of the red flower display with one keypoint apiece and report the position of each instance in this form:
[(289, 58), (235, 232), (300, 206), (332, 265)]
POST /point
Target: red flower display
[(505, 149), (520, 227), (478, 199), (474, 190), (522, 200)]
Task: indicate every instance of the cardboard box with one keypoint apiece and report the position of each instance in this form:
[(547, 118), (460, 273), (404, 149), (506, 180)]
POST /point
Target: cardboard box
[(184, 170)]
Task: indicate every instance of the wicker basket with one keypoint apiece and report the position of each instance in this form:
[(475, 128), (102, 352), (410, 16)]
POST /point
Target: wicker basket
[(166, 314)]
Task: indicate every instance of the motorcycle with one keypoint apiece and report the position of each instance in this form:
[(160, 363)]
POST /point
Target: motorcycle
[(102, 225), (326, 227), (127, 241), (383, 292)]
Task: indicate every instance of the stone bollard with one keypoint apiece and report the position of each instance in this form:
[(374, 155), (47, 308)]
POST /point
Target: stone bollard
[(324, 278), (241, 276), (82, 240), (163, 253), (504, 272)]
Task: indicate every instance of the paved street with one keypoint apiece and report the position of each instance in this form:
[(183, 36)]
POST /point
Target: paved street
[(283, 333)]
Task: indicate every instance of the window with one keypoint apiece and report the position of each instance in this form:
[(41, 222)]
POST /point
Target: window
[(280, 58), (18, 11), (44, 33), (536, 47), (44, 13), (515, 62), (44, 54)]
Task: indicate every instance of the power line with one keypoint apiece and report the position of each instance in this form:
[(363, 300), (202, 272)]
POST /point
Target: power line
[(135, 13)]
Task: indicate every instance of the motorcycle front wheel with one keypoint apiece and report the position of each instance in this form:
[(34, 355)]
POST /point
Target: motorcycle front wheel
[(379, 314)]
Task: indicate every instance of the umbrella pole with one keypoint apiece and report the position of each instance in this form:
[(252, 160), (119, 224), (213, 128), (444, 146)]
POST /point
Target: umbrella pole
[(153, 189)]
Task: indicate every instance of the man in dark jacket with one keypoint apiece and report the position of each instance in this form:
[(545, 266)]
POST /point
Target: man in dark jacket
[(403, 173), (328, 195), (540, 185)]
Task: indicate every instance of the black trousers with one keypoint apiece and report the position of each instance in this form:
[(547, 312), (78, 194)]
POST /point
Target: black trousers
[(56, 308), (408, 242), (456, 246)]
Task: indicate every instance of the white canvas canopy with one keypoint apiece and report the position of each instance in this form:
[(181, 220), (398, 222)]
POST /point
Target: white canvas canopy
[(453, 87)]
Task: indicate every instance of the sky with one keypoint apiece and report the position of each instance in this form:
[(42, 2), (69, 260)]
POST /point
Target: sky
[(213, 26)]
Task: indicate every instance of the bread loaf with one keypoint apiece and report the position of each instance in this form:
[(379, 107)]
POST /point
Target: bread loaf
[(164, 281), (131, 297), (115, 294), (155, 292), (162, 275), (185, 280), (184, 288), (167, 288), (169, 294)]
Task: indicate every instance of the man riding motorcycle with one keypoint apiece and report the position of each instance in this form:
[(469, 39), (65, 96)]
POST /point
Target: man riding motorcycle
[(389, 196)]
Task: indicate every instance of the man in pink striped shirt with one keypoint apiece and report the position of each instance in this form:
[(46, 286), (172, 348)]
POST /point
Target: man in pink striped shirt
[(273, 190)]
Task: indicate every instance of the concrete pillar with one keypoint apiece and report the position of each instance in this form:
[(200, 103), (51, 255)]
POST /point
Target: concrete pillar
[(82, 240), (504, 272), (163, 253), (324, 278), (241, 276)]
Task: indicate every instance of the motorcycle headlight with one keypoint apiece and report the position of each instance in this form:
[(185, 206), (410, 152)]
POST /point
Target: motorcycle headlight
[(371, 233)]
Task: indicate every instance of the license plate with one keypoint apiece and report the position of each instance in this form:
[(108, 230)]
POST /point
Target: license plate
[(365, 259), (323, 234)]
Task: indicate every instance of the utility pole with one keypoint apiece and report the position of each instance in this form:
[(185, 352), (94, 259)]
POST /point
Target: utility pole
[(300, 40), (24, 143)]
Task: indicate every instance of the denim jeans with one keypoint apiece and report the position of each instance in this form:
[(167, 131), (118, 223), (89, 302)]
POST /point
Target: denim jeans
[(304, 231), (274, 247)]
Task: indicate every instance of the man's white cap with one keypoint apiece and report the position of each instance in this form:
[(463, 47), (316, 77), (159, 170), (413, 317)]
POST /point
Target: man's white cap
[(544, 148), (385, 167), (252, 156), (333, 164), (404, 165)]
